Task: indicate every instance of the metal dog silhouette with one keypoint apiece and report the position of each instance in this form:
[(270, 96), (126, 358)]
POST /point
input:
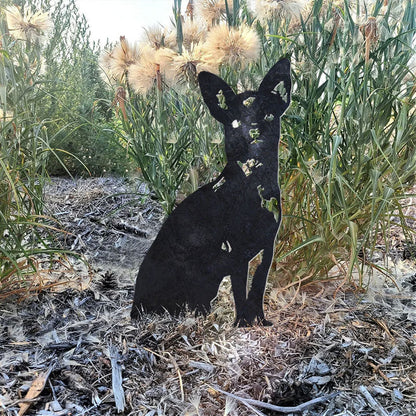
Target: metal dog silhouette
[(218, 229)]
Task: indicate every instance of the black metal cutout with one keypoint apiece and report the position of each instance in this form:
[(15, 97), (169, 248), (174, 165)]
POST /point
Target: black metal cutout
[(218, 229)]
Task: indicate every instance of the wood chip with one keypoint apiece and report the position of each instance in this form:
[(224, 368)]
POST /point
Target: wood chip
[(375, 405), (35, 390), (117, 379)]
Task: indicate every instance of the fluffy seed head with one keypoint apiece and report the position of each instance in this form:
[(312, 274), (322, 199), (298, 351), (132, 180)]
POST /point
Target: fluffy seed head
[(190, 9), (150, 70), (213, 11), (189, 64), (30, 27), (116, 63), (278, 9), (155, 36), (194, 32), (232, 46)]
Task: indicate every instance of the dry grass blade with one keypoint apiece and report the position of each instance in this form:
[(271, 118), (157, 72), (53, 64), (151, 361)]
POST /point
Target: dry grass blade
[(282, 409)]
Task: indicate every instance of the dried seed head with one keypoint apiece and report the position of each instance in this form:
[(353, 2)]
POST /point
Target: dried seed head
[(150, 70), (279, 9), (194, 32), (31, 27), (189, 64), (120, 102), (155, 36), (116, 63), (190, 9), (369, 31), (232, 46), (213, 11)]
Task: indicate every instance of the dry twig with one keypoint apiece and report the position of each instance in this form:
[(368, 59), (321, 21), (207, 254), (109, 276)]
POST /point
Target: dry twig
[(282, 409)]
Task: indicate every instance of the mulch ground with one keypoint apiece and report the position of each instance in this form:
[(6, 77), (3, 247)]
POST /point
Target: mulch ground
[(73, 350)]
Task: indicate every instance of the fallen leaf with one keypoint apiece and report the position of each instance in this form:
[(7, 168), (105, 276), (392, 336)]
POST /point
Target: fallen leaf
[(35, 390)]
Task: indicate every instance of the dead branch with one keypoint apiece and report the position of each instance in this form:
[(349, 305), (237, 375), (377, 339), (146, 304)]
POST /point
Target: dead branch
[(121, 226), (282, 409), (129, 228)]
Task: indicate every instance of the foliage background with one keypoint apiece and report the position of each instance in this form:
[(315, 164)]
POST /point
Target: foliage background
[(51, 105)]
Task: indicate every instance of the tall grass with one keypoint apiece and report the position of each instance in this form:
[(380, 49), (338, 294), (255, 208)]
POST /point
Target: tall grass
[(170, 139), (350, 138), (23, 145), (76, 100), (26, 128)]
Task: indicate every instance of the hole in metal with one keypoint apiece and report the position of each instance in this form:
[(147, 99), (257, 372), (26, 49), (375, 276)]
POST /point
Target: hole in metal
[(221, 100), (248, 101), (218, 185), (281, 90), (226, 246), (249, 165)]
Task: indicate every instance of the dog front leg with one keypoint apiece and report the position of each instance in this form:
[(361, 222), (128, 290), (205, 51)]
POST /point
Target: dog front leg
[(239, 285), (254, 305)]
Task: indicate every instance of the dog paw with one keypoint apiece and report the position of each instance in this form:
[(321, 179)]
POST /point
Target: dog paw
[(243, 321), (264, 322)]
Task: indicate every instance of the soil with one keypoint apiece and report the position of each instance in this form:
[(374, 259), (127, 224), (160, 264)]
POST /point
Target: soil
[(73, 350)]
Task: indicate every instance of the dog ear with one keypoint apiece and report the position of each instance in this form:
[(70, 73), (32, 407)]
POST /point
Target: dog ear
[(218, 96), (277, 82)]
